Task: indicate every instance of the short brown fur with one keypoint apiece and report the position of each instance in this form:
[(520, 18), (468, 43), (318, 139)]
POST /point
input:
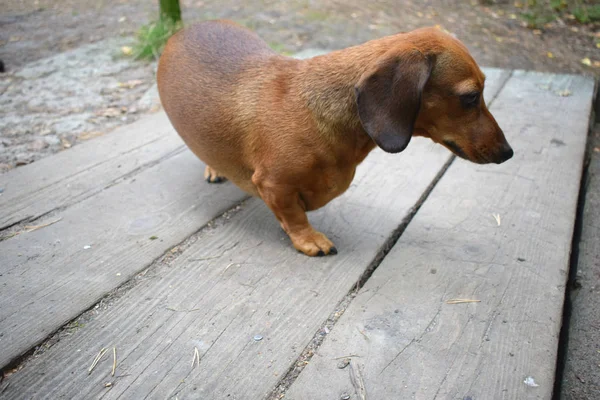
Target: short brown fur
[(293, 131)]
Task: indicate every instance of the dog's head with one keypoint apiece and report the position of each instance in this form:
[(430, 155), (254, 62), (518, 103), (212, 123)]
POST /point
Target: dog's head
[(429, 85)]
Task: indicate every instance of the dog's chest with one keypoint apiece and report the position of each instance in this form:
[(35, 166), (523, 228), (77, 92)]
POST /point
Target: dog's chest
[(328, 185)]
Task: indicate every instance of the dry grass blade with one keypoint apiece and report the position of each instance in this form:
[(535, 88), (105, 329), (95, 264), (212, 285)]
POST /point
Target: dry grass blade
[(114, 361), (96, 360), (348, 356), (196, 359), (90, 135), (30, 228), (497, 218), (362, 333), (460, 301), (357, 380), (177, 310)]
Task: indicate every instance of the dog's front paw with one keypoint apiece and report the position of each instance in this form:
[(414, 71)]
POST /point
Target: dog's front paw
[(313, 244), (212, 176)]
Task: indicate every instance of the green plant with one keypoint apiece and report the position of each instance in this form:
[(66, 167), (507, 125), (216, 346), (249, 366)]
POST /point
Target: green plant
[(151, 38), (587, 13), (558, 5), (540, 12), (316, 15), (279, 48), (170, 9), (536, 18)]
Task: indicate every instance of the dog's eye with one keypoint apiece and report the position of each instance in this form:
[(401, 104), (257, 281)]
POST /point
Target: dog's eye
[(469, 100)]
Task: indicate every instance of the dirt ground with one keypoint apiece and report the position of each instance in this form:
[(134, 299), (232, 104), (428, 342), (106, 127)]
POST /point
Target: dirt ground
[(49, 106)]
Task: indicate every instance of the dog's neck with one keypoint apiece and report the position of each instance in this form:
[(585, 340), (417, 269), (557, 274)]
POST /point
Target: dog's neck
[(326, 83), (327, 86)]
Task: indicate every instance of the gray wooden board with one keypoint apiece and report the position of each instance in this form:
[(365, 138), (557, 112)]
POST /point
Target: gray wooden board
[(241, 279), (48, 276), (409, 343), (74, 174), (383, 212)]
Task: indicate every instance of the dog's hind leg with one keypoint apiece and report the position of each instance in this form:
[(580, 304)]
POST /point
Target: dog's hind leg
[(212, 176)]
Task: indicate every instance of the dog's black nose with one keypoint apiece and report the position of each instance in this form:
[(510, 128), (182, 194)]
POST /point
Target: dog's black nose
[(505, 154)]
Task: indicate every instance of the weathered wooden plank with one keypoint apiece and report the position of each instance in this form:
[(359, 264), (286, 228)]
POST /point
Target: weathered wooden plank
[(69, 176), (226, 291), (49, 276), (581, 375), (247, 280), (408, 342)]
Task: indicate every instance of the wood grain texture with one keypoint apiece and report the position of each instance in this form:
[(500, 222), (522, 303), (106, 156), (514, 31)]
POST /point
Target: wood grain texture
[(411, 344), (234, 282), (49, 276), (72, 175)]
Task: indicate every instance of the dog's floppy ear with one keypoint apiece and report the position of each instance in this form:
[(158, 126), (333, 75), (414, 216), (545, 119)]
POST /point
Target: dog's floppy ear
[(388, 98)]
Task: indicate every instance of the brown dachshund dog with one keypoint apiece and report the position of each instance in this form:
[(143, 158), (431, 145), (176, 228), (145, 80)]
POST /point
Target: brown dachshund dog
[(293, 131)]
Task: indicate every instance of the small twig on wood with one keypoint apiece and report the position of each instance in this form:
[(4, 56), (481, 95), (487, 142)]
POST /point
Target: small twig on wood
[(196, 359), (230, 265), (357, 380), (96, 360), (29, 228), (362, 333), (349, 356), (497, 218), (459, 301), (176, 310), (114, 361)]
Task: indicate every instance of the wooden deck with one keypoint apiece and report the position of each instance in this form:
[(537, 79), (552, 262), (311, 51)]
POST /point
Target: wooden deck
[(119, 243)]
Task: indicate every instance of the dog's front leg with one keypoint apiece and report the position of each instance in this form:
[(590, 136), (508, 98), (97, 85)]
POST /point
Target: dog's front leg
[(289, 208)]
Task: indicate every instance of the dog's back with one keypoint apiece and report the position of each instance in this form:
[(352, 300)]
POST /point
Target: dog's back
[(202, 79)]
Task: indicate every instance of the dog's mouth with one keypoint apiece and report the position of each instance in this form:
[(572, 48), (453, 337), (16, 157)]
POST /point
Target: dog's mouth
[(456, 149)]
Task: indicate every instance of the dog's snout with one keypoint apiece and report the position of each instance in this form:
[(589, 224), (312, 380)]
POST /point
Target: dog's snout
[(505, 154)]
